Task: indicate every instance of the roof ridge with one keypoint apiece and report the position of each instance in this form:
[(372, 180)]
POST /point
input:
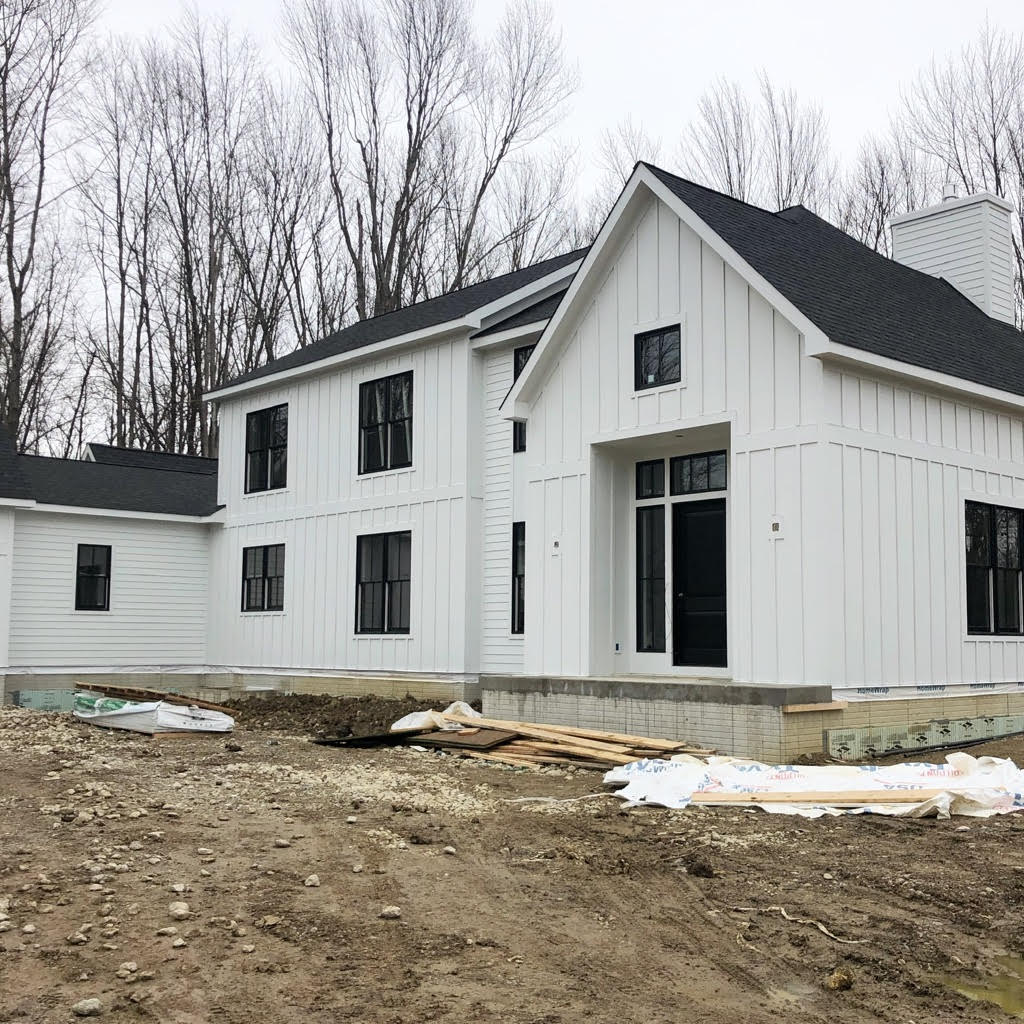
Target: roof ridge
[(149, 451), (716, 192)]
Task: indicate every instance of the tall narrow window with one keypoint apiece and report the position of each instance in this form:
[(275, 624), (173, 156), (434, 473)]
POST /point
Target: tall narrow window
[(263, 578), (650, 578), (520, 358), (266, 449), (518, 577), (385, 423), (993, 549), (383, 575), (92, 578), (657, 358)]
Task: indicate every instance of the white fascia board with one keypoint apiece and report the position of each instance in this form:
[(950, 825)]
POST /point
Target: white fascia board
[(849, 356), (472, 322), (118, 513), (521, 333), (341, 359), (525, 388), (17, 502)]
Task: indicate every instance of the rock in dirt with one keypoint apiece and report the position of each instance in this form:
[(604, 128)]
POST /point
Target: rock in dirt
[(313, 881), (282, 844), (390, 913), (450, 850), (233, 748), (87, 1008), (178, 910), (839, 980)]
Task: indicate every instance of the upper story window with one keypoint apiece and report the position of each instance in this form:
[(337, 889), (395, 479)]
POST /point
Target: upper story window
[(266, 449), (385, 423), (657, 358), (520, 358), (263, 578), (993, 542), (383, 575), (92, 578)]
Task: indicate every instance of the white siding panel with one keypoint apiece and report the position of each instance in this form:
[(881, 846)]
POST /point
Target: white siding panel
[(158, 598)]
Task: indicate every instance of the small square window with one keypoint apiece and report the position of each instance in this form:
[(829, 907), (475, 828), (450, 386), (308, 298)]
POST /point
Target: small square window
[(650, 479), (657, 358)]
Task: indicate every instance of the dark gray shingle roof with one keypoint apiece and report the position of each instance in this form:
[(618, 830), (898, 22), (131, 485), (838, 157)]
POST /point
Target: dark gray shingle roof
[(418, 316), (114, 456), (123, 488), (12, 481), (539, 311), (859, 297)]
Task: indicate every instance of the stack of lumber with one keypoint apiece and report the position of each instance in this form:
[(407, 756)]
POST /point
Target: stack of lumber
[(529, 743)]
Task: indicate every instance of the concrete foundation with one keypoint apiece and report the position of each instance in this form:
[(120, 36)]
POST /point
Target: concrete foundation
[(767, 723)]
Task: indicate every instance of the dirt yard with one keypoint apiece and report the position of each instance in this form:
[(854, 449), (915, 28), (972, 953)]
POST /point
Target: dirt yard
[(520, 912)]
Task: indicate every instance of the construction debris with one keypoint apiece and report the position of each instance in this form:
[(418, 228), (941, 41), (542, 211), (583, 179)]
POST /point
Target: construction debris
[(148, 711), (964, 785)]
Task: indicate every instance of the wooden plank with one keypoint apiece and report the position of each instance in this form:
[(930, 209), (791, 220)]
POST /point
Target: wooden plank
[(830, 705), (534, 760), (847, 798), (139, 695), (467, 739), (593, 753), (538, 732), (616, 738)]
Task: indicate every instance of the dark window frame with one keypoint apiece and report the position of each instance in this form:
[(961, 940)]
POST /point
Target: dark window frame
[(260, 441), (518, 578), (387, 425), (650, 477), (984, 571), (386, 582), (266, 589), (701, 482), (520, 357), (80, 606), (648, 607), (641, 341)]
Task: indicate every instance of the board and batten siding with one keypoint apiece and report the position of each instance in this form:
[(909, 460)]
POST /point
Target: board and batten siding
[(500, 650), (327, 504), (901, 462), (158, 592), (742, 366)]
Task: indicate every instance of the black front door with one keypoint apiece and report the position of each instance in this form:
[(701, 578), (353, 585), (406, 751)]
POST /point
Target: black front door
[(698, 583)]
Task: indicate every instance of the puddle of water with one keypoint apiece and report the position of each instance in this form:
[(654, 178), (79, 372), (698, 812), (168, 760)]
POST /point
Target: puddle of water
[(1005, 989)]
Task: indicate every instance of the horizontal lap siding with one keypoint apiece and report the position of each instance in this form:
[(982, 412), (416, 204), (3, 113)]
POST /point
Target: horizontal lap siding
[(500, 651), (158, 592), (902, 462)]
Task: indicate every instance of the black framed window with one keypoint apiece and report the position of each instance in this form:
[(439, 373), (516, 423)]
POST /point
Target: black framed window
[(266, 449), (695, 474), (650, 479), (383, 574), (518, 577), (92, 578), (263, 578), (520, 358), (993, 549), (657, 358), (385, 423), (650, 578)]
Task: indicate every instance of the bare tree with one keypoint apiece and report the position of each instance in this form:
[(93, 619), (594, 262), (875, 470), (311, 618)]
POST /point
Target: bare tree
[(722, 145), (39, 65), (417, 120)]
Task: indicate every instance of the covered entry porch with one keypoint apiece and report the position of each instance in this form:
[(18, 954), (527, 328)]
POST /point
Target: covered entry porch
[(661, 555)]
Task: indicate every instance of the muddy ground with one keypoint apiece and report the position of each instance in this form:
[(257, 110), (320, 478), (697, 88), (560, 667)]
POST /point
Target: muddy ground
[(540, 913)]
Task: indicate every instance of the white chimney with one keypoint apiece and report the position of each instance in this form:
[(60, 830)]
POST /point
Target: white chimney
[(967, 242)]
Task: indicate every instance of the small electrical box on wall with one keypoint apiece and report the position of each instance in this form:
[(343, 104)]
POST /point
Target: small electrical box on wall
[(776, 530), (556, 546)]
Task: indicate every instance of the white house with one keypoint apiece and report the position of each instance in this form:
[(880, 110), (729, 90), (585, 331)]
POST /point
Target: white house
[(727, 474)]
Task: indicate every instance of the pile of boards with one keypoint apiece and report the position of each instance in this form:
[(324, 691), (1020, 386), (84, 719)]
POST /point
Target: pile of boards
[(529, 743)]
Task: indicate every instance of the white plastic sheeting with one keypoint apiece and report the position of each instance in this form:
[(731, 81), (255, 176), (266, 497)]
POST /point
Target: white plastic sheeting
[(975, 786), (434, 719)]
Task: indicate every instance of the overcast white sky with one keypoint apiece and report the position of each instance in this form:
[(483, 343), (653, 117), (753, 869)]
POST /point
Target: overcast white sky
[(652, 58)]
